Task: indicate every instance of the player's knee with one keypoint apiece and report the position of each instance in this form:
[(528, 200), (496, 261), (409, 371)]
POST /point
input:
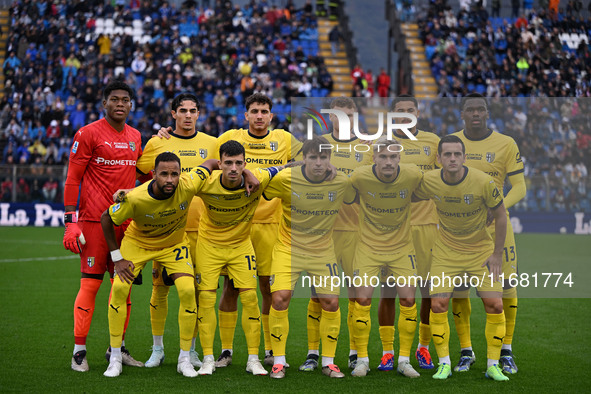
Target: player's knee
[(407, 302), (207, 299), (281, 300), (439, 305), (363, 301), (329, 304), (248, 297), (120, 290), (159, 292), (185, 288), (493, 305)]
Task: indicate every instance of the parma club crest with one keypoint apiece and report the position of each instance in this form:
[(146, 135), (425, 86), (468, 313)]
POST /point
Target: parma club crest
[(403, 193), (468, 198), (274, 145), (271, 280), (90, 261), (203, 153), (332, 196), (490, 157), (132, 146), (359, 156), (427, 150), (183, 205), (198, 278)]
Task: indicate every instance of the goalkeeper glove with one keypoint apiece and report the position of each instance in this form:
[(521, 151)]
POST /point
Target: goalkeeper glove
[(73, 236)]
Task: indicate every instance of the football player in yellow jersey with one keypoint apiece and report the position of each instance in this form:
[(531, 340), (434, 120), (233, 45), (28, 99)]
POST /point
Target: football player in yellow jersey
[(385, 244), (224, 242), (159, 210), (423, 221), (497, 155), (311, 203), (264, 148), (464, 249), (193, 148), (346, 159)]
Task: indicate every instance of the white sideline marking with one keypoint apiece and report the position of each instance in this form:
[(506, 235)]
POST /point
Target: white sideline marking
[(28, 241), (40, 259)]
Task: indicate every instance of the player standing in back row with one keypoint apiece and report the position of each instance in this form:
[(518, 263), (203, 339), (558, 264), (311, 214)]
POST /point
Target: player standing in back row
[(103, 159), (497, 155)]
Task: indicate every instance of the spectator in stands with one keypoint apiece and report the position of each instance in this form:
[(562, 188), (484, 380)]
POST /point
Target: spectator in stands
[(335, 37), (49, 189)]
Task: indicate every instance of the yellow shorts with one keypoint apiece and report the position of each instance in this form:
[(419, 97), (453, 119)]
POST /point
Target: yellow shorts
[(509, 251), (175, 259), (263, 237), (369, 264), (423, 238), (345, 243), (240, 262), (288, 266), (448, 264), (191, 236)]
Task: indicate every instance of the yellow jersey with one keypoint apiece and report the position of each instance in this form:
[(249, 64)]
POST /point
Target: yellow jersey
[(309, 209), (462, 208), (193, 151), (346, 159), (384, 223), (274, 149), (159, 223), (229, 212), (496, 154), (422, 153)]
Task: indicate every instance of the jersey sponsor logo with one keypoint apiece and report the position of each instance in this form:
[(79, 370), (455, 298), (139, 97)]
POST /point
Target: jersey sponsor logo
[(132, 146), (187, 153), (490, 157), (120, 162), (452, 199), (468, 198), (90, 261), (388, 195), (314, 196), (332, 196), (359, 156), (274, 145), (403, 193), (115, 208), (427, 150), (257, 146), (121, 145), (264, 161), (75, 147), (203, 153)]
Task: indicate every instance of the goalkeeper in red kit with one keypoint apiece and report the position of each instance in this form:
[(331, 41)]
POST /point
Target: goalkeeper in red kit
[(102, 160)]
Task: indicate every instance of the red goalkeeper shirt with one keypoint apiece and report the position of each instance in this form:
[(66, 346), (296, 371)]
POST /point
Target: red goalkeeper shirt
[(108, 159)]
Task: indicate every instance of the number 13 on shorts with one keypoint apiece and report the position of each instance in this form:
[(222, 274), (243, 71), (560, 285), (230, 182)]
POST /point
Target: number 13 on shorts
[(251, 260)]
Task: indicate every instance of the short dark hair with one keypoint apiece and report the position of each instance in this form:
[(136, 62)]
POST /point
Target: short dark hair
[(313, 145), (232, 148), (116, 84), (166, 157), (258, 98), (343, 102), (176, 102), (450, 139), (401, 98), (472, 96)]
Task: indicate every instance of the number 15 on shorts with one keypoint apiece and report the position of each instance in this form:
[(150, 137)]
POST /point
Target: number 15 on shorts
[(251, 260)]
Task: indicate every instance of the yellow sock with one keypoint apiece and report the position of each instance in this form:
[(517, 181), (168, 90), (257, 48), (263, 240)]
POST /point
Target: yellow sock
[(158, 308), (313, 324), (351, 325), (407, 326), (279, 330), (266, 332), (251, 320), (227, 327), (187, 310), (387, 337), (440, 332), (494, 332), (461, 309), (362, 327), (510, 310), (196, 329), (330, 327), (207, 321), (118, 311), (424, 334)]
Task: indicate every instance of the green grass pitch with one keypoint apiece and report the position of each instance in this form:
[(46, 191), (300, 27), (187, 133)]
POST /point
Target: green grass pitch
[(39, 281)]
